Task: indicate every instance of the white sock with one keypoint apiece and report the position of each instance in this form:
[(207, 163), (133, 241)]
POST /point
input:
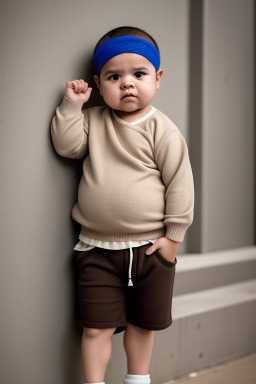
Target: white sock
[(137, 379)]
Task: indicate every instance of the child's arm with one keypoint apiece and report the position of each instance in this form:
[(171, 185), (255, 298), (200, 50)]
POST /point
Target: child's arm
[(173, 162), (69, 129)]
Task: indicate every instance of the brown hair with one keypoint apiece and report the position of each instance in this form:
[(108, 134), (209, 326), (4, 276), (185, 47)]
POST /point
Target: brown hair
[(126, 31)]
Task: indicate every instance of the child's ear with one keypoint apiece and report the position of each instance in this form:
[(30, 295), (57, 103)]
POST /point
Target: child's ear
[(97, 81), (159, 75)]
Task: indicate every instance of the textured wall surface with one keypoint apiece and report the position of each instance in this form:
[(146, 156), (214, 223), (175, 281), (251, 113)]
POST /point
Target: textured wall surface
[(43, 45), (228, 128)]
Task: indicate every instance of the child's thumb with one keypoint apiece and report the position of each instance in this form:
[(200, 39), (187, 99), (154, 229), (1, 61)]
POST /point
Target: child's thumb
[(87, 94)]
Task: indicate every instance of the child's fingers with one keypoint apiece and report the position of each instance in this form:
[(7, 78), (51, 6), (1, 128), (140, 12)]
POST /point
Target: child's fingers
[(88, 91), (80, 86), (153, 248), (72, 84), (76, 86), (84, 86)]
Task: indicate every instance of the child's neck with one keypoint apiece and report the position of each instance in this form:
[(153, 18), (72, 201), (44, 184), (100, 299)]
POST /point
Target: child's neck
[(131, 117)]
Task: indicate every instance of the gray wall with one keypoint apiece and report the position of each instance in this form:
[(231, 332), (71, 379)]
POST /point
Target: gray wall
[(228, 126), (222, 126), (46, 43)]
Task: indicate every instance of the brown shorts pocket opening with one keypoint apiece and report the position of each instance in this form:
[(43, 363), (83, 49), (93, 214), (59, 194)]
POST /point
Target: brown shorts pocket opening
[(83, 256), (163, 261)]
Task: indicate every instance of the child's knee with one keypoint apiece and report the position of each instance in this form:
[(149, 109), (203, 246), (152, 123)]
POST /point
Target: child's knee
[(135, 329), (93, 333)]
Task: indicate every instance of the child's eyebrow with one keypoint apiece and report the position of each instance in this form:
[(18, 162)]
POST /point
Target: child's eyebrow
[(140, 69), (135, 69), (110, 71)]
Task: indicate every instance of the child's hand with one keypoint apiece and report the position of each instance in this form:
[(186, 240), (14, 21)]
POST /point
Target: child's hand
[(78, 90), (168, 248)]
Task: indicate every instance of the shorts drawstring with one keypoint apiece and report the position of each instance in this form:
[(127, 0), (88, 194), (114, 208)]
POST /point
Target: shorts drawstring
[(130, 283)]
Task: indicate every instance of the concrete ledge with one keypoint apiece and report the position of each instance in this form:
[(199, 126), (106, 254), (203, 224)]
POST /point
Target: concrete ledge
[(209, 328), (204, 271), (213, 299)]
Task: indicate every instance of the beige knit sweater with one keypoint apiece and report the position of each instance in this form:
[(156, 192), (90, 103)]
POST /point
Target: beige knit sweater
[(137, 182)]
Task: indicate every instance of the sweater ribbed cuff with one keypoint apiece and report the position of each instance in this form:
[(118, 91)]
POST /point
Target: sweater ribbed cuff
[(176, 232), (69, 106)]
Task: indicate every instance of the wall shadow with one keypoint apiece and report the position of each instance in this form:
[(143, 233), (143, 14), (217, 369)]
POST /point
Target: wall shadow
[(195, 117), (70, 354)]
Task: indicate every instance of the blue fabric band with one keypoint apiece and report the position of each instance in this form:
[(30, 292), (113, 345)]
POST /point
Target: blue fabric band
[(126, 44)]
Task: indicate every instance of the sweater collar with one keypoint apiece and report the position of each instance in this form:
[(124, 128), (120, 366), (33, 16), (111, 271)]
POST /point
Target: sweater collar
[(121, 121)]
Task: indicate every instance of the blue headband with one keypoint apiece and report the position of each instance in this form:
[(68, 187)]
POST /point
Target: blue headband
[(126, 44)]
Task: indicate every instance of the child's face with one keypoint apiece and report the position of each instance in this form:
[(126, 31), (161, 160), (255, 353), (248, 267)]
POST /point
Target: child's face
[(128, 83)]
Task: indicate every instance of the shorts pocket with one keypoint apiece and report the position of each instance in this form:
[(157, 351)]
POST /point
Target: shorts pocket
[(163, 261), (83, 256)]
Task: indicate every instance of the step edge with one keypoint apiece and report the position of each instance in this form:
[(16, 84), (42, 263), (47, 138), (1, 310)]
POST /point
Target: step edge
[(189, 262), (190, 304)]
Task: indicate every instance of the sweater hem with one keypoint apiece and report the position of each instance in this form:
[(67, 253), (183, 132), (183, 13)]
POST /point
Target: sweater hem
[(123, 236)]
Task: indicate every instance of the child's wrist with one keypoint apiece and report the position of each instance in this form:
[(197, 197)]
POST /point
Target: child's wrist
[(71, 106)]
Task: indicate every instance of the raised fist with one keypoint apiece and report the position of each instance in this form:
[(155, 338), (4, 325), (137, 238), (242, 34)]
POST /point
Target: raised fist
[(78, 90)]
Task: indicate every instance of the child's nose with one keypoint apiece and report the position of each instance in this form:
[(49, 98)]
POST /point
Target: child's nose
[(127, 83)]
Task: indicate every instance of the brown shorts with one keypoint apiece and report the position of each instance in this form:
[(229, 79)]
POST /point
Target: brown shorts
[(105, 300)]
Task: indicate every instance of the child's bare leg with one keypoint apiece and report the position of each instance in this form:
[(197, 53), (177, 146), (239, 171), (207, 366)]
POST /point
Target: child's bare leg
[(138, 345), (96, 352)]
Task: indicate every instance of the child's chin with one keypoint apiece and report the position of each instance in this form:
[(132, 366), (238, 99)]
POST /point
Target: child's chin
[(128, 107)]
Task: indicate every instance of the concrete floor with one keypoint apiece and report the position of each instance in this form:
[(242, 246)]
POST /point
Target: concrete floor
[(239, 371)]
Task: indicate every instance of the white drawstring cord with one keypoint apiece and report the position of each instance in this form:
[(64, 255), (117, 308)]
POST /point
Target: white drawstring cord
[(130, 283)]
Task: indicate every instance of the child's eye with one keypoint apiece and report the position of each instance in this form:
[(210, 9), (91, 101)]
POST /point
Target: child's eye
[(114, 77), (139, 75)]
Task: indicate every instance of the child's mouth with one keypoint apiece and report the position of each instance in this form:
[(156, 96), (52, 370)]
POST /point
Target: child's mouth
[(128, 96)]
